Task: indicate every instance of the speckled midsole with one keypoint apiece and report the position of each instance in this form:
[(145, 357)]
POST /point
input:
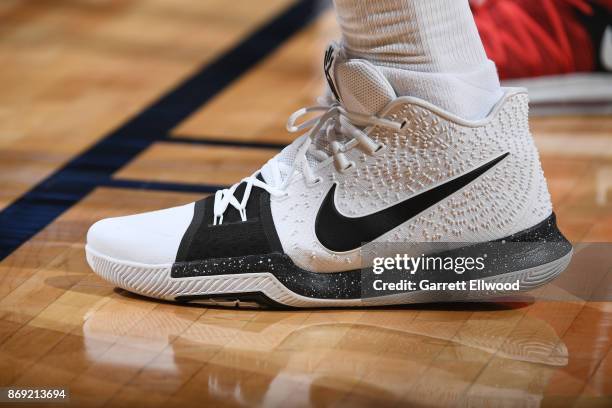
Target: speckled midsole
[(542, 255)]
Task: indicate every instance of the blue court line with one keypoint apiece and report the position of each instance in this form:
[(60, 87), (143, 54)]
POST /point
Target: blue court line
[(161, 186), (47, 200)]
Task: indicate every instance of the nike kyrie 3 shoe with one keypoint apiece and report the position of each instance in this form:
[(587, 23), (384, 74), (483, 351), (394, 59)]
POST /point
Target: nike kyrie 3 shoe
[(561, 50), (372, 168)]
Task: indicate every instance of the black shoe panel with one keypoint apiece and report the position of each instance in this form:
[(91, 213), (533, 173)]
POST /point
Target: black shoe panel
[(233, 237), (540, 245)]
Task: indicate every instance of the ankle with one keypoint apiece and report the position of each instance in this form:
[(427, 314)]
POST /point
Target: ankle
[(469, 95)]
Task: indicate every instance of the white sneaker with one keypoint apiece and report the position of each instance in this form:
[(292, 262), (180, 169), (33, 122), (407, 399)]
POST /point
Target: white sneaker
[(373, 168)]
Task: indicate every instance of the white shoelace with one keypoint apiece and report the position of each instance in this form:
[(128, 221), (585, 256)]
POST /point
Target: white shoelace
[(334, 121)]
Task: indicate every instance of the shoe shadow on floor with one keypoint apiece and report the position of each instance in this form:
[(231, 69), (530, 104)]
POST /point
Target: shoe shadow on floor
[(81, 283), (475, 306)]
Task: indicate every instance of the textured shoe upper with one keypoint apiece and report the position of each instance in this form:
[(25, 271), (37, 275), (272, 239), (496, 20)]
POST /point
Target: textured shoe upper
[(429, 149)]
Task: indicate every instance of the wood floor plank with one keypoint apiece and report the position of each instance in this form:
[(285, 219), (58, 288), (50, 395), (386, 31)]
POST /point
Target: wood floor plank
[(256, 107), (74, 70), (196, 164), (77, 69)]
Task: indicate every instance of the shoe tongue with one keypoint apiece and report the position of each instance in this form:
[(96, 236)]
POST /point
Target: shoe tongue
[(356, 83)]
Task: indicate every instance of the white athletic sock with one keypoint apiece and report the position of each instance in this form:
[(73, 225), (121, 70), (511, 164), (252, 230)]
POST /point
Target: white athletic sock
[(426, 48)]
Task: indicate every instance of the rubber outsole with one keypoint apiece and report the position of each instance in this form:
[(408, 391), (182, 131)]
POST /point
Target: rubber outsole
[(265, 290)]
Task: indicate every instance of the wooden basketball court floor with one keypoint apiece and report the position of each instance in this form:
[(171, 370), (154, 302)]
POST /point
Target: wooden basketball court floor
[(113, 107)]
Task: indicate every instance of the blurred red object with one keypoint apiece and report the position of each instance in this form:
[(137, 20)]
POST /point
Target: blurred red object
[(561, 50), (528, 38)]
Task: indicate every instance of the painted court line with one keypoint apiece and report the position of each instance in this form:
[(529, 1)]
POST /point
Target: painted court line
[(42, 204)]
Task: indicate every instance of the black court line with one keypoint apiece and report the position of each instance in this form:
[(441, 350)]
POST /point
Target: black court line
[(94, 167)]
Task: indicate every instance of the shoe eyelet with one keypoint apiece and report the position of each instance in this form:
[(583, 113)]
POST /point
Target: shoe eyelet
[(381, 147), (315, 182), (351, 165)]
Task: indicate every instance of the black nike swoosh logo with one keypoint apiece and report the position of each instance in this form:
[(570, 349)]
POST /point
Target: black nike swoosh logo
[(340, 233)]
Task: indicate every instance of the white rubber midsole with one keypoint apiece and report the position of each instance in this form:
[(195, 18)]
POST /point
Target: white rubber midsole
[(156, 281)]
